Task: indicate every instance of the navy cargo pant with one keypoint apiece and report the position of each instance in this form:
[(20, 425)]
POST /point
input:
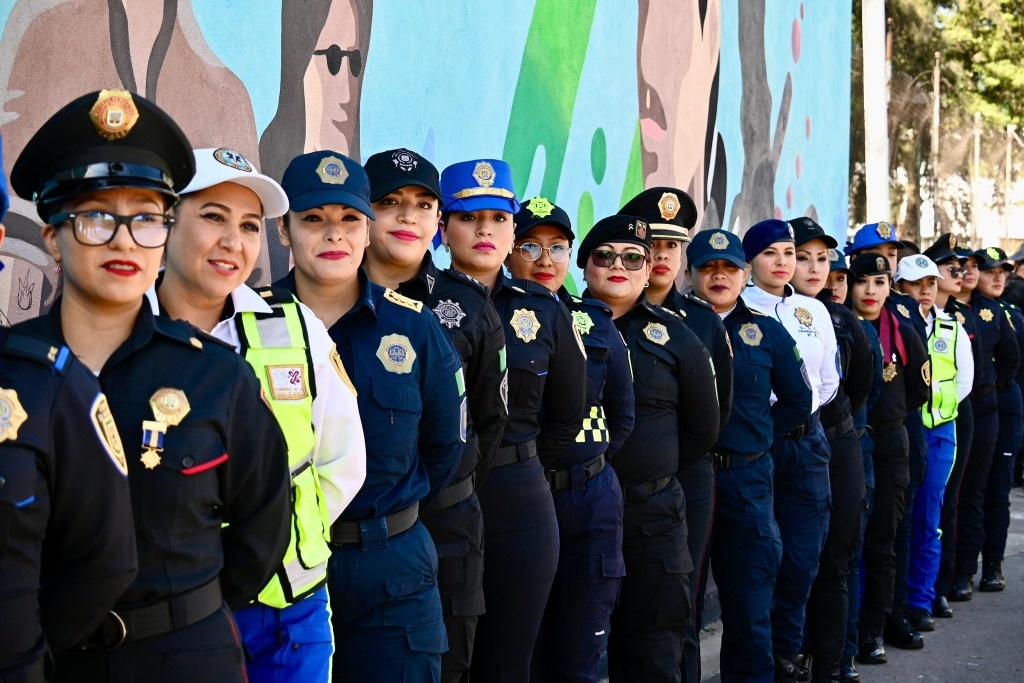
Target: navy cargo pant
[(1000, 476), (698, 482), (853, 577), (970, 514), (918, 463), (951, 496)]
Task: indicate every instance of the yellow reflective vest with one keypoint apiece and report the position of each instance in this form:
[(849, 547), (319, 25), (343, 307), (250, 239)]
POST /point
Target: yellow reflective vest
[(942, 406)]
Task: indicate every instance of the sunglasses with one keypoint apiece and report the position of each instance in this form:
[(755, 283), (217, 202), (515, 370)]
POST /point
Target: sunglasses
[(335, 54), (956, 272), (631, 260), (96, 228), (531, 251)]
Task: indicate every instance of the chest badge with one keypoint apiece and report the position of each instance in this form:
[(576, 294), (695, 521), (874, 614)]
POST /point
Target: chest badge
[(986, 315), (170, 406), (902, 310), (804, 316), (12, 414), (751, 334), (657, 333), (450, 313), (889, 371), (525, 324), (395, 352), (583, 322)]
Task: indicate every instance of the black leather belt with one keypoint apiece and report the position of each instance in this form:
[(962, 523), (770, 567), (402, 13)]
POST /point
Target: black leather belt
[(515, 453), (983, 391), (454, 494), (127, 625), (350, 531), (641, 491), (801, 431), (883, 428), (723, 461), (33, 673), (562, 479), (835, 431)]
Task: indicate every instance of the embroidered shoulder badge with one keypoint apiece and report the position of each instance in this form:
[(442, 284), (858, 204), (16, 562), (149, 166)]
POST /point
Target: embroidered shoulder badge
[(903, 310), (986, 315), (395, 352), (583, 322), (450, 313), (106, 430), (525, 324), (751, 334), (804, 316), (657, 333)]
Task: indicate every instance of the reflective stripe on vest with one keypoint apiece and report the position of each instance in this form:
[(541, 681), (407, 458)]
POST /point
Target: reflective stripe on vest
[(275, 346), (943, 405), (595, 427)]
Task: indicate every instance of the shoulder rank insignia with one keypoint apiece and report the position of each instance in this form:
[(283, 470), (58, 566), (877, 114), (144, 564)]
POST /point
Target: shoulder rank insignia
[(339, 367), (926, 372), (395, 352), (657, 333), (404, 301), (986, 315), (903, 310), (751, 334), (961, 318), (525, 324), (583, 322), (450, 313), (12, 414), (106, 430), (803, 316)]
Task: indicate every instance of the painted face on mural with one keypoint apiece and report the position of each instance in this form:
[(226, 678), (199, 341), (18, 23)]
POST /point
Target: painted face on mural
[(333, 83)]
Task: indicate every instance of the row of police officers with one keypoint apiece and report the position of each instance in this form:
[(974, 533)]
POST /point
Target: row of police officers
[(378, 469)]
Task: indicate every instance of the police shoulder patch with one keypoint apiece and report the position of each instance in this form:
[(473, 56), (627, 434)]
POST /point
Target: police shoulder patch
[(449, 312), (583, 322), (903, 310), (106, 430), (657, 333), (401, 300), (12, 414), (396, 354), (926, 372)]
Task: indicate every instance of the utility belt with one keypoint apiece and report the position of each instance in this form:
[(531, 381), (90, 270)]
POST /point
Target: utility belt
[(1005, 385), (453, 495), (880, 429), (641, 491), (833, 432), (724, 461), (518, 452), (982, 391), (352, 531), (575, 476), (803, 430), (127, 625)]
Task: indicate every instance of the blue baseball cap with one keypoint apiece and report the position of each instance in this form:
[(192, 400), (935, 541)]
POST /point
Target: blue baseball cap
[(5, 198), (837, 260), (713, 245), (478, 185), (872, 235), (326, 177), (764, 234)]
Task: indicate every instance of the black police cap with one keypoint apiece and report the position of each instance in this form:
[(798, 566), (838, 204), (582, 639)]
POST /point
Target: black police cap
[(870, 263), (617, 228), (397, 168), (668, 210), (540, 211), (940, 252), (806, 229), (102, 140)]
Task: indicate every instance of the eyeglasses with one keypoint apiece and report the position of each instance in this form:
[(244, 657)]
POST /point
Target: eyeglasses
[(956, 272), (335, 54), (96, 228), (531, 251), (631, 260)]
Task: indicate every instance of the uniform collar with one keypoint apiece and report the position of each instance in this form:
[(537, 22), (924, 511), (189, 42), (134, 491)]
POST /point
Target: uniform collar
[(758, 296), (421, 286), (365, 297)]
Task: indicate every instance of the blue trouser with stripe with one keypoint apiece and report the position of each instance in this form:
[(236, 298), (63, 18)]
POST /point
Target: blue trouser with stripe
[(925, 546), (290, 644)]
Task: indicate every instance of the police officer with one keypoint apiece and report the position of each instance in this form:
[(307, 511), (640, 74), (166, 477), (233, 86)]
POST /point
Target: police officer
[(827, 608), (671, 212), (746, 545), (838, 282), (62, 563), (802, 456), (210, 254), (202, 448), (546, 400), (588, 500), (382, 577), (676, 423), (406, 196)]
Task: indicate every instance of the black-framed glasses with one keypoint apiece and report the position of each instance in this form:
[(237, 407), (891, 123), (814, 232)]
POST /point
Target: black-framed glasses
[(955, 271), (531, 251), (96, 228), (605, 258), (335, 54)]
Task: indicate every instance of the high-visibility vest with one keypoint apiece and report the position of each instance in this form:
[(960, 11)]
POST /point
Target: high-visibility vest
[(942, 405), (276, 347)]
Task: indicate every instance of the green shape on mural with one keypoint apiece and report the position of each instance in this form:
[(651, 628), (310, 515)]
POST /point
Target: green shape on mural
[(598, 155), (585, 215), (549, 78), (634, 183)]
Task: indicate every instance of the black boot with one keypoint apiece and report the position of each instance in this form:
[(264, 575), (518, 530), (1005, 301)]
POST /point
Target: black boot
[(847, 671), (921, 620), (824, 670), (803, 668), (963, 588), (786, 668), (941, 608), (899, 633), (871, 650), (992, 580)]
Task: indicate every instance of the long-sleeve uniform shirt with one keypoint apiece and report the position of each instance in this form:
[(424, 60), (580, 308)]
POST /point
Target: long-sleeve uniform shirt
[(963, 314), (856, 363), (906, 373), (1000, 355)]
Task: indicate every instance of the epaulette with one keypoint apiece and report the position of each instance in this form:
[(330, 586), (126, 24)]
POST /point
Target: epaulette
[(757, 312), (592, 303), (39, 350), (531, 287), (461, 277), (690, 296), (663, 312), (403, 301), (182, 331), (275, 296)]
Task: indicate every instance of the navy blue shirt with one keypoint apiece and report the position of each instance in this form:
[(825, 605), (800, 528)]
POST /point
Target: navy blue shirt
[(963, 313), (409, 384), (1000, 356)]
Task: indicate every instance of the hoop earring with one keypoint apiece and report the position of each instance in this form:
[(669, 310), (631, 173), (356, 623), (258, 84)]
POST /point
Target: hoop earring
[(647, 284), (447, 248)]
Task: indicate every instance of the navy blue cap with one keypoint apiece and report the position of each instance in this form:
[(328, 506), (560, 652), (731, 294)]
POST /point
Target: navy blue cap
[(837, 260), (991, 258), (617, 228), (540, 211), (870, 263), (5, 198), (1018, 256), (102, 140), (713, 245), (764, 234), (806, 230), (397, 168), (872, 235), (326, 177), (668, 210), (478, 185), (942, 249)]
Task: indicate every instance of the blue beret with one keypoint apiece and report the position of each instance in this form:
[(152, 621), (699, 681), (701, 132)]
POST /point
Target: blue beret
[(540, 211), (712, 245), (873, 235), (764, 234), (5, 198), (326, 177), (478, 185), (617, 228)]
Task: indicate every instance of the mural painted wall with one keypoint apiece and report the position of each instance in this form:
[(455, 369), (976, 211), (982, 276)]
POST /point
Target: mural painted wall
[(742, 103)]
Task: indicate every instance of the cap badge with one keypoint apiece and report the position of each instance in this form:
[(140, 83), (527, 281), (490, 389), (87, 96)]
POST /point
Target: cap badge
[(657, 333), (540, 207), (450, 313), (235, 160), (525, 324), (668, 205), (12, 414), (395, 352), (921, 262), (808, 223), (880, 264), (719, 241), (941, 346), (986, 315), (993, 253), (106, 430), (803, 316), (332, 170), (902, 310), (751, 334), (952, 241), (884, 230), (114, 114), (833, 255), (483, 174), (640, 230), (583, 322), (404, 160)]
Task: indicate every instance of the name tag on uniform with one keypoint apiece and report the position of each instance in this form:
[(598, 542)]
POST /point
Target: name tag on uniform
[(287, 382)]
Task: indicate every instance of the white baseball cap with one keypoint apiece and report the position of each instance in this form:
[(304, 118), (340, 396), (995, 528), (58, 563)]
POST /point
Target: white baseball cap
[(222, 165), (915, 267)]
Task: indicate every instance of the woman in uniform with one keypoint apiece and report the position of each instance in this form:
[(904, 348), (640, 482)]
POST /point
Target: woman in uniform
[(546, 393), (206, 461), (677, 417), (588, 500), (382, 576)]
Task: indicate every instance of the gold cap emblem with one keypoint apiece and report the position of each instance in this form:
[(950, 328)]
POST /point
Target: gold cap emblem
[(884, 230), (668, 205), (169, 405), (719, 241), (483, 174), (952, 241), (114, 114), (540, 207), (332, 170)]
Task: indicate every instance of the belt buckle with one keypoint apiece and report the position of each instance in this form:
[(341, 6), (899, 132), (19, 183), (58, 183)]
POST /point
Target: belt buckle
[(722, 461), (120, 638)]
